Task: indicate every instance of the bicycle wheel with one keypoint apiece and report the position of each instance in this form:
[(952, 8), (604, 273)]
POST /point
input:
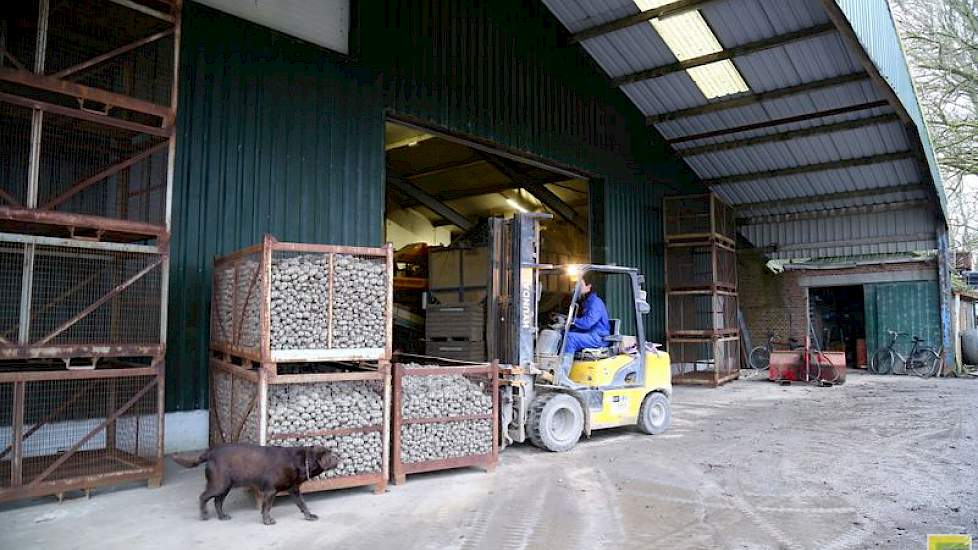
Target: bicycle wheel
[(820, 368), (924, 363), (760, 357), (882, 362)]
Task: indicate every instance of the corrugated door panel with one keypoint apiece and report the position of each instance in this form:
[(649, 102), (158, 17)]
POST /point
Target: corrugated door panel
[(911, 307)]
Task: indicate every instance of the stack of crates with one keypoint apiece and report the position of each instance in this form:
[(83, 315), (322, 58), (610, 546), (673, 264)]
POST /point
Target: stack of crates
[(455, 318), (87, 110), (701, 290)]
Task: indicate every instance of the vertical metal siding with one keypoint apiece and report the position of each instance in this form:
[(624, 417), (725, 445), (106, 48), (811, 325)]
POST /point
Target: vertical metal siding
[(274, 137), (911, 307), (873, 24)]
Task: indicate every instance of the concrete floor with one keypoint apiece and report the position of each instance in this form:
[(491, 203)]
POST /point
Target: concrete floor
[(876, 463)]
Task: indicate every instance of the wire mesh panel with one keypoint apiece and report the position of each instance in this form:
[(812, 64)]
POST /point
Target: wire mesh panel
[(11, 278), (15, 142), (691, 217), (687, 215), (234, 406), (707, 361), (80, 31), (320, 303), (689, 267), (84, 301), (67, 430), (98, 170), (702, 313), (99, 103), (444, 417)]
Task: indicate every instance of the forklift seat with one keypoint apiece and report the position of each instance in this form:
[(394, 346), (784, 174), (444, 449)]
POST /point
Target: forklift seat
[(613, 340)]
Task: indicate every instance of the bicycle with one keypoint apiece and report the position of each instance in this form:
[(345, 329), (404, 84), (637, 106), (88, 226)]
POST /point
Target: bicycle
[(760, 356), (921, 361)]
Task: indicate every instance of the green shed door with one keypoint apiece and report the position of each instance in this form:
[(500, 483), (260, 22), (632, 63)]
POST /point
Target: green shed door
[(911, 307)]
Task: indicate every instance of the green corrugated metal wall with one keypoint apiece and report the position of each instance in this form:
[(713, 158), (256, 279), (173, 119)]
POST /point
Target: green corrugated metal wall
[(911, 307), (274, 137), (278, 136)]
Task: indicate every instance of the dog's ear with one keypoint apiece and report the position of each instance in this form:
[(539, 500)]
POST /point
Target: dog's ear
[(326, 459)]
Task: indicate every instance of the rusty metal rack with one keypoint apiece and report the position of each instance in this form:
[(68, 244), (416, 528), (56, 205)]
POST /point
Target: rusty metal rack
[(70, 298), (701, 289), (239, 410), (242, 323), (488, 374), (88, 98), (75, 430)]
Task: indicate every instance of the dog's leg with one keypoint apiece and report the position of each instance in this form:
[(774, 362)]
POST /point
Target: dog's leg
[(297, 497), (204, 497), (268, 498), (219, 506)]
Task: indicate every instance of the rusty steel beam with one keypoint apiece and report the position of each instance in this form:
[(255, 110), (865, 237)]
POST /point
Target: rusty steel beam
[(145, 9), (89, 181), (726, 53), (790, 135), (636, 19), (819, 167), (753, 99), (779, 121), (86, 93), (165, 131), (71, 220), (114, 53)]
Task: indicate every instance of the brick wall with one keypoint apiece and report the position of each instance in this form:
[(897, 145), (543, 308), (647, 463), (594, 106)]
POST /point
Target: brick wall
[(775, 303), (771, 303)]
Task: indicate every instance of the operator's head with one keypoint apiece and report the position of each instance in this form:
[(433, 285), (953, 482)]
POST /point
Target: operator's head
[(585, 285)]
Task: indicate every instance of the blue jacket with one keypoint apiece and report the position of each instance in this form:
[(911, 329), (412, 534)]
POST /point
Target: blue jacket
[(593, 316)]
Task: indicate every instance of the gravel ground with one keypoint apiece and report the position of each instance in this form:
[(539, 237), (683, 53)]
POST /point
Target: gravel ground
[(876, 463)]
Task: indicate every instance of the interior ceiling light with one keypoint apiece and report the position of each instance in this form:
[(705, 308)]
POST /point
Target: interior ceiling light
[(688, 36), (516, 206)]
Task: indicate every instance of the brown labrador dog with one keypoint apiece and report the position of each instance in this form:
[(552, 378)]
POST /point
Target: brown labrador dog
[(267, 470)]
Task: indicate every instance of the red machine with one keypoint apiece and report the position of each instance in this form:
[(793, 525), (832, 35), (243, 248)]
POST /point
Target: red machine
[(828, 367)]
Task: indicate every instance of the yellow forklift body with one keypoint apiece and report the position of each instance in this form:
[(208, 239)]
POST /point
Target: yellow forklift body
[(620, 406)]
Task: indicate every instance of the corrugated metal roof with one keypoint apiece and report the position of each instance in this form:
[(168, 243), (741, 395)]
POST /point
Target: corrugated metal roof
[(737, 22), (890, 231)]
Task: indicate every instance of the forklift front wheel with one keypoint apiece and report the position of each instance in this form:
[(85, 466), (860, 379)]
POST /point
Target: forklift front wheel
[(655, 415), (556, 422)]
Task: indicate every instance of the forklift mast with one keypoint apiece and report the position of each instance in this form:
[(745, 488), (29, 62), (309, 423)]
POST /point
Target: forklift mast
[(513, 300)]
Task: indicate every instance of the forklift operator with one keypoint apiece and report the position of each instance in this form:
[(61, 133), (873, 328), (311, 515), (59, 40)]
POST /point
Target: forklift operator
[(588, 329)]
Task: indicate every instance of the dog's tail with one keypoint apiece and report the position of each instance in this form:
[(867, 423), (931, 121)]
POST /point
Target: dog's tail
[(190, 460)]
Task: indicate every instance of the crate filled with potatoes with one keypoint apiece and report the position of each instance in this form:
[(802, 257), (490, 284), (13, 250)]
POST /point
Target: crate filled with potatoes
[(443, 417)]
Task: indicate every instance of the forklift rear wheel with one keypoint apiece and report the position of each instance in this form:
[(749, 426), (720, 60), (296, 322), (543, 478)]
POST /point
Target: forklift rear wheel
[(556, 422), (655, 415)]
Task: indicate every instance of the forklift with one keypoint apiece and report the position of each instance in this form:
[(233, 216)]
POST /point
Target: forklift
[(627, 382)]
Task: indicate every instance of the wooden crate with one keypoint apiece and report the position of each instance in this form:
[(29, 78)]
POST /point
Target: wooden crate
[(242, 414), (463, 321), (489, 373)]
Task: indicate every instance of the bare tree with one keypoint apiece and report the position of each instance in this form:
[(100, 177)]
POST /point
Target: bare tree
[(941, 41)]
